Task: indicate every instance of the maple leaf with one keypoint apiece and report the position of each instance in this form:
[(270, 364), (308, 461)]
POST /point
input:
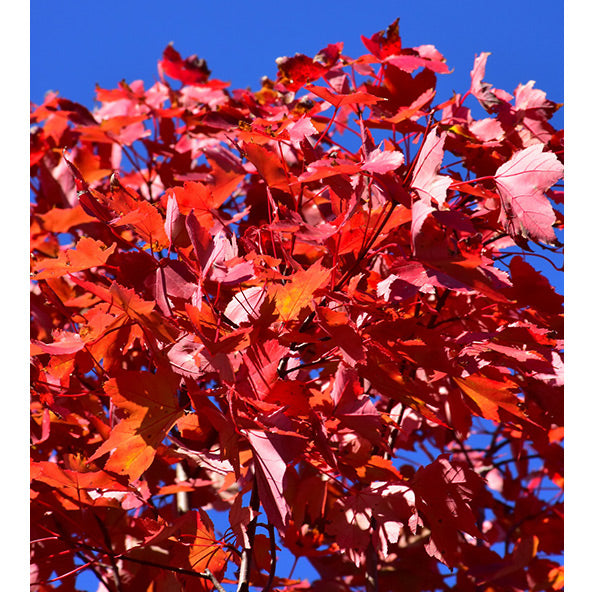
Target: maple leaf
[(379, 161), (301, 129), (200, 548), (148, 223), (490, 396), (426, 180), (521, 183), (262, 361), (152, 410), (245, 305), (60, 220), (345, 336), (325, 167), (197, 198), (272, 453), (88, 253), (443, 490), (529, 287), (269, 166), (385, 43), (297, 293), (300, 69), (480, 89), (172, 224), (191, 70), (74, 484), (339, 100), (64, 343), (428, 58)]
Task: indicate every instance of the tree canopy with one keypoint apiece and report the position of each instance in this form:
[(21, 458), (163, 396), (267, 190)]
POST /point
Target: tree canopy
[(304, 320)]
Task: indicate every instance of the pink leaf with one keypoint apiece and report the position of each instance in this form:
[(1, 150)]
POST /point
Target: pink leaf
[(200, 240), (426, 180), (382, 161), (346, 386), (478, 87), (245, 305), (489, 97), (303, 128), (65, 343), (186, 358), (528, 97), (409, 63), (173, 223), (487, 130), (420, 210), (191, 358), (521, 183)]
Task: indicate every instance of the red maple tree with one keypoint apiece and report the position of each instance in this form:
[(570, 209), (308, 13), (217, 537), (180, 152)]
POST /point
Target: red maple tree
[(309, 314)]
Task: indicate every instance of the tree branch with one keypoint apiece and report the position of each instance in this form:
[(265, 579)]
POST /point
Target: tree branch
[(245, 567), (213, 579), (273, 550)]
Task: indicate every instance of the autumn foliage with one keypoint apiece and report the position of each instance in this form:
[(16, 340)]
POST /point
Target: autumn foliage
[(306, 318)]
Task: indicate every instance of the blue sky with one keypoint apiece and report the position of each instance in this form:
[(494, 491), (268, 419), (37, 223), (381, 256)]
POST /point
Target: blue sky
[(74, 45), (77, 44)]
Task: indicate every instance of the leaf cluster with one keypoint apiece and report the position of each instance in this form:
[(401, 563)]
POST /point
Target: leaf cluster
[(311, 307)]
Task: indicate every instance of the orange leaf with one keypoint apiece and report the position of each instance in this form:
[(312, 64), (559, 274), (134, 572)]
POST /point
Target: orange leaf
[(147, 223), (268, 165), (62, 219), (198, 198), (298, 291), (196, 533), (490, 396), (73, 484), (152, 410), (88, 253)]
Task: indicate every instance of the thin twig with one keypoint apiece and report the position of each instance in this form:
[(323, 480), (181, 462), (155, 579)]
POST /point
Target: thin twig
[(105, 532), (213, 579), (245, 567), (371, 562), (273, 550)]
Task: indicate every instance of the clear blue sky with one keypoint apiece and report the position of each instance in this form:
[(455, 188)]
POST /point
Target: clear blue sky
[(77, 44)]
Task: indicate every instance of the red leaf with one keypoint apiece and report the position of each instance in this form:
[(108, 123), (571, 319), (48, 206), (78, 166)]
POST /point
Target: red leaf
[(272, 452), (384, 44), (324, 168), (66, 343), (338, 100), (198, 198), (269, 166), (443, 491), (145, 219), (297, 71), (531, 288), (191, 70)]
